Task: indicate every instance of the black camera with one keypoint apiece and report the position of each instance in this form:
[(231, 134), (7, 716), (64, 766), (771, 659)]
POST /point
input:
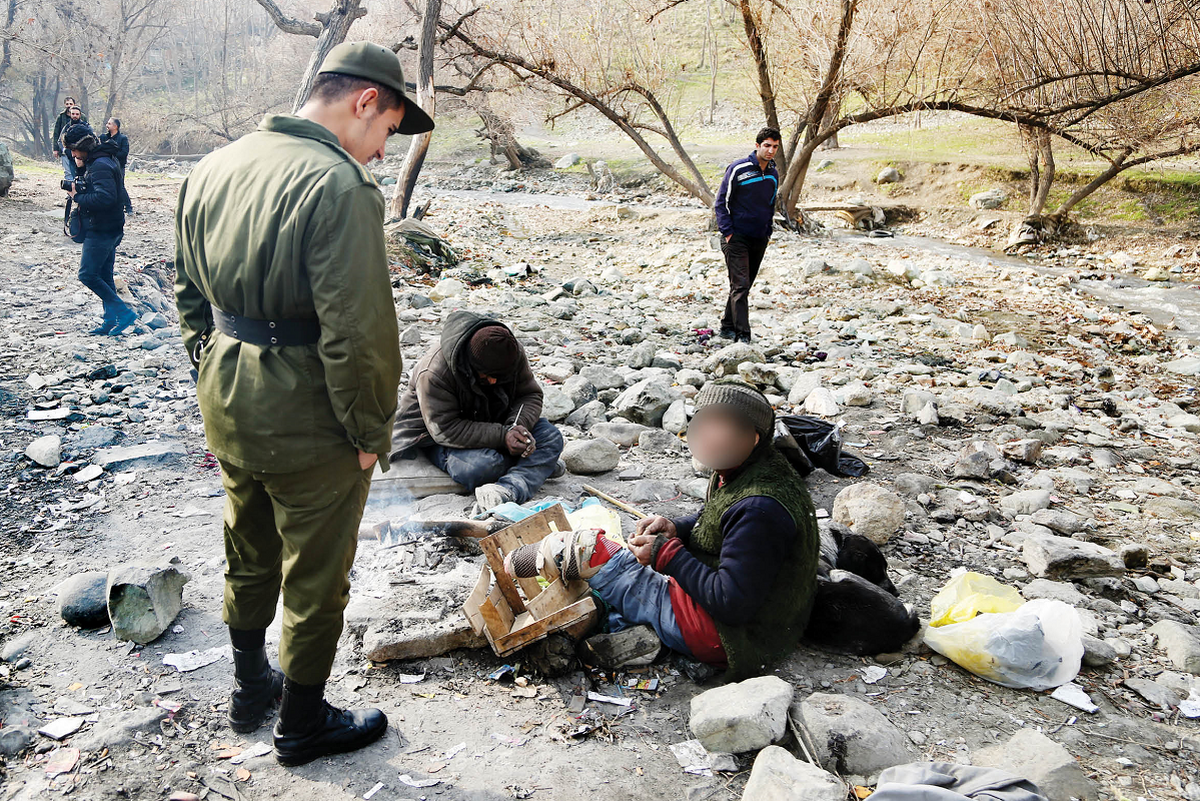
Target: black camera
[(76, 182)]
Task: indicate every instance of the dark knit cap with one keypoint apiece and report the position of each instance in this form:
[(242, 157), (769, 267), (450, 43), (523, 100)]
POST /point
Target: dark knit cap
[(80, 136), (742, 399), (494, 351)]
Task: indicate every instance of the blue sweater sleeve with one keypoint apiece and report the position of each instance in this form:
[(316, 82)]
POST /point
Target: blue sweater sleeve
[(720, 205), (758, 531)]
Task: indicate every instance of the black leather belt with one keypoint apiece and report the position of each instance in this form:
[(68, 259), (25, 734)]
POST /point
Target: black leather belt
[(267, 332)]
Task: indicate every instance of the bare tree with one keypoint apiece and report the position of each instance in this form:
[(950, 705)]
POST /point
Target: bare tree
[(330, 30), (425, 98)]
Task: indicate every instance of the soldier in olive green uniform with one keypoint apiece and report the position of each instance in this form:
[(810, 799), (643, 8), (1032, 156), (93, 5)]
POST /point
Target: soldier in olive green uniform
[(286, 308)]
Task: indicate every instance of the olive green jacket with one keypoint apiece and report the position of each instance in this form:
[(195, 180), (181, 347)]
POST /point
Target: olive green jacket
[(284, 224)]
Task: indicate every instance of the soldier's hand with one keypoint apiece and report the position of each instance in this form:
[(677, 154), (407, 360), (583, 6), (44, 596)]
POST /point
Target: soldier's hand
[(367, 460), (519, 441)]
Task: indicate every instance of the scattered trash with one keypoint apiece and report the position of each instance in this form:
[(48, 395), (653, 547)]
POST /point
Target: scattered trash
[(968, 595), (61, 728), (62, 760), (411, 678), (608, 699), (1190, 706), (1072, 694), (411, 782), (810, 442), (692, 757), (369, 793), (649, 685), (503, 672), (255, 750), (194, 660), (509, 740), (873, 673), (1037, 647)]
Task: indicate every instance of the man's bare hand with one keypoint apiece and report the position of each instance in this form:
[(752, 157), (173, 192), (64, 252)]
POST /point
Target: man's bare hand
[(367, 460), (641, 545), (655, 525), (519, 441), (728, 237)]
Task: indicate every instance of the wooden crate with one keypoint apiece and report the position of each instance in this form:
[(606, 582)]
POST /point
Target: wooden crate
[(512, 613)]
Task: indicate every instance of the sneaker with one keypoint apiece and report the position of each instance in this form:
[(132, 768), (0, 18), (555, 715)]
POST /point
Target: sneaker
[(636, 646), (102, 329), (560, 469), (127, 319), (489, 496)]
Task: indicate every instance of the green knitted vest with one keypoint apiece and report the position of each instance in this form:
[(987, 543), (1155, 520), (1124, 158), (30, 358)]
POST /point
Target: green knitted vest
[(781, 621)]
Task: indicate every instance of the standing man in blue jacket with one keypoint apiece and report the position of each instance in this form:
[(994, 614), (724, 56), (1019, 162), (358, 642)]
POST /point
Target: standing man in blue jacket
[(745, 208)]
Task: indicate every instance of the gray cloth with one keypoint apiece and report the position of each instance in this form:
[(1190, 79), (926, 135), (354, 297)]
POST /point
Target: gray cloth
[(946, 781)]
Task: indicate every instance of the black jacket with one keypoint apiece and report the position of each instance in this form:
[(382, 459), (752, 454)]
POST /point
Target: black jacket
[(122, 143), (103, 189), (61, 124)]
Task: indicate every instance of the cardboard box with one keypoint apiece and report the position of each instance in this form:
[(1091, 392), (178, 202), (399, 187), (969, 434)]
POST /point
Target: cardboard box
[(512, 613)]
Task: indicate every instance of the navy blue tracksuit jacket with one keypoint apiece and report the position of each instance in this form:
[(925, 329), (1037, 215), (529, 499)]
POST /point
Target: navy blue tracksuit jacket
[(746, 200)]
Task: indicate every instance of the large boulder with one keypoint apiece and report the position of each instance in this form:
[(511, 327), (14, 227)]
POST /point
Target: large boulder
[(1034, 756), (726, 361), (587, 457), (779, 776), (745, 716), (869, 509), (646, 401), (6, 169), (851, 736), (83, 599), (1048, 556), (143, 600)]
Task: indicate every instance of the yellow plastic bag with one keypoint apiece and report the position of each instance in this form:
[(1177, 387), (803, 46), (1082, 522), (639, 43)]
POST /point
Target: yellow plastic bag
[(597, 516), (968, 595), (1037, 647)]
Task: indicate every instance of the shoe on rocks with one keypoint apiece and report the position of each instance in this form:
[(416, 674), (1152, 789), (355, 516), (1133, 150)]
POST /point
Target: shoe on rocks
[(562, 553), (560, 469), (489, 496), (102, 329), (309, 728), (256, 687), (124, 321), (636, 646), (743, 338), (727, 333)]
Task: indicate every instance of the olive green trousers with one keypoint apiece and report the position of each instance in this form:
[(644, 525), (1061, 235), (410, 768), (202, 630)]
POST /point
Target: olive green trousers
[(295, 532)]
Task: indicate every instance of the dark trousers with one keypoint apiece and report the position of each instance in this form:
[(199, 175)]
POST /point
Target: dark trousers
[(743, 255), (96, 271), (474, 467), (128, 205), (294, 533)]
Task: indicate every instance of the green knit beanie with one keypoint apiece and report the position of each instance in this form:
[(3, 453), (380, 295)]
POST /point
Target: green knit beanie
[(742, 399)]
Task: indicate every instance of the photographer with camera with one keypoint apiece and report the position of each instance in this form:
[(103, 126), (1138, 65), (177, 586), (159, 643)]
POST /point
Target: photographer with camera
[(98, 190)]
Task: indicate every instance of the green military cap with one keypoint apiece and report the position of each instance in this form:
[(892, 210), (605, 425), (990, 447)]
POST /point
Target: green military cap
[(379, 64)]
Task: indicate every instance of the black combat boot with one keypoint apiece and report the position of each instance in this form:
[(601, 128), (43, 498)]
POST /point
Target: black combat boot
[(257, 687), (309, 727)]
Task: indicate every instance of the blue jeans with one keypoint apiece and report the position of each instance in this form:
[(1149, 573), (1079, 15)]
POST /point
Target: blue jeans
[(96, 272), (68, 165), (638, 595), (474, 467)]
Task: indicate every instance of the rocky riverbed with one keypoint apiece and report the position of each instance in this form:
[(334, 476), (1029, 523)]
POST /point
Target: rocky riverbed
[(1016, 426)]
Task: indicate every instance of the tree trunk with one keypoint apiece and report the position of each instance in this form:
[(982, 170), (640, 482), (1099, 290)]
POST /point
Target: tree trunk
[(1041, 167), (830, 121), (419, 145), (335, 25), (793, 182), (766, 89)]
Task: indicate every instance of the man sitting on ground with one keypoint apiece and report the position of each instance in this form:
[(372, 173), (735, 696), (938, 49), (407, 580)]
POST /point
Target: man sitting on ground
[(731, 586), (474, 407)]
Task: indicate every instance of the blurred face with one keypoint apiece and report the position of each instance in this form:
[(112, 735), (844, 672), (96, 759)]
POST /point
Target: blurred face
[(720, 439), (766, 149), (367, 131)]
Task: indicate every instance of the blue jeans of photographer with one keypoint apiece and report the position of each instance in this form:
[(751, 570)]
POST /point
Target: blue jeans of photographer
[(96, 271)]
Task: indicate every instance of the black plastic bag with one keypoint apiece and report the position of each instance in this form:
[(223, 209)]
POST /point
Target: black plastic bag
[(810, 442)]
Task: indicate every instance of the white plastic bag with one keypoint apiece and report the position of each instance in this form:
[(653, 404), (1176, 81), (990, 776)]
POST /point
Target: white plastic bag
[(1036, 647)]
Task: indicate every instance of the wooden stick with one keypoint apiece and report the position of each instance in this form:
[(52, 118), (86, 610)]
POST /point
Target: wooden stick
[(633, 510)]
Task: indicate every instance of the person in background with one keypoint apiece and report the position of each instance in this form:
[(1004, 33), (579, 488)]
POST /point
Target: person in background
[(112, 133), (97, 191), (474, 406), (70, 115), (745, 209)]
